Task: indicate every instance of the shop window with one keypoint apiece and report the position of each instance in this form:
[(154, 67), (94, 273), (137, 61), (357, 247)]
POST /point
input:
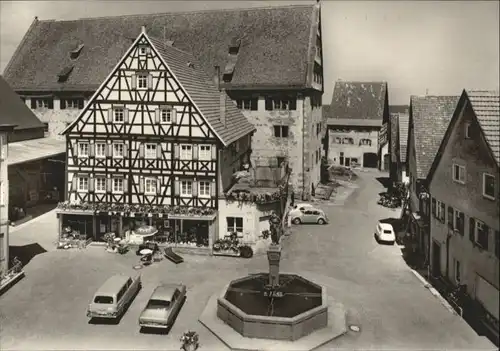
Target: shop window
[(234, 225)]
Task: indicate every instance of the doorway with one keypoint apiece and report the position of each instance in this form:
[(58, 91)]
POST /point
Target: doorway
[(370, 160), (436, 259)]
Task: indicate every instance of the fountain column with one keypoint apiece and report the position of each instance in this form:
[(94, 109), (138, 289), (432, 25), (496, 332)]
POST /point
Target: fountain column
[(274, 256)]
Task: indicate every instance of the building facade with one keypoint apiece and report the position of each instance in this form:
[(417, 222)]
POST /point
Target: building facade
[(158, 145), (464, 188), (4, 197), (270, 60), (429, 119), (357, 122), (398, 139)]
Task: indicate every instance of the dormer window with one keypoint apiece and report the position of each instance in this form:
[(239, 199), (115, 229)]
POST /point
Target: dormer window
[(64, 74), (42, 103), (234, 46), (76, 52)]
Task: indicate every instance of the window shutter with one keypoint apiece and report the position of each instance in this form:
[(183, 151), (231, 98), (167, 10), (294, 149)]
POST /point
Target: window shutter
[(110, 115), (157, 115), (62, 103), (158, 185), (125, 115), (150, 81), (176, 151), (486, 230), (92, 150), (81, 103), (450, 217), (159, 152), (293, 104), (462, 223), (125, 151), (254, 103), (213, 188), (141, 150), (195, 188), (141, 185), (177, 187), (74, 182), (433, 206), (472, 229), (213, 148), (91, 184), (195, 152), (174, 115), (51, 103), (269, 104), (109, 150), (77, 148), (148, 50), (33, 103), (125, 185), (133, 84), (109, 185)]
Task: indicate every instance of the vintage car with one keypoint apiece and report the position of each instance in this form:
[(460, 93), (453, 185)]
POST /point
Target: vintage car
[(112, 298), (163, 306), (310, 215)]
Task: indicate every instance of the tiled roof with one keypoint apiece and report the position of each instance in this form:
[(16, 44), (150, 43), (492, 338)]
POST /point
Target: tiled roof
[(404, 121), (394, 127), (275, 51), (486, 106), (13, 110), (34, 149), (202, 90), (358, 100), (353, 122), (430, 116)]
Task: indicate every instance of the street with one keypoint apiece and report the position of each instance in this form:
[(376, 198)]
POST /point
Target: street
[(46, 310)]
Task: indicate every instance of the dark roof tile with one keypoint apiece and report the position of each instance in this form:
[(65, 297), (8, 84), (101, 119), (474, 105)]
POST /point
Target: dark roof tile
[(430, 116), (404, 122)]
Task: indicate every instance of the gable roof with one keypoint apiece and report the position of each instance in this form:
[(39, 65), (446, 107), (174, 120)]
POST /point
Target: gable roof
[(404, 122), (486, 107), (199, 87), (358, 100), (275, 50), (430, 117), (14, 111)]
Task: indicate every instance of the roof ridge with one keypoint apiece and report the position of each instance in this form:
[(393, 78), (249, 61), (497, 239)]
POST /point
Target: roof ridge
[(170, 46), (180, 13)]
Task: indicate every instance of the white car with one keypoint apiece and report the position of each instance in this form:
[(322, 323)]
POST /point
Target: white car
[(385, 233), (298, 208)]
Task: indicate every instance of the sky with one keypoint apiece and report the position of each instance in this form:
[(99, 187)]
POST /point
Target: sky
[(418, 47)]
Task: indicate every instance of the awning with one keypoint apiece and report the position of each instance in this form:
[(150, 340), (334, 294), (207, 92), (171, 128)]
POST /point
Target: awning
[(192, 218), (35, 149), (487, 295)]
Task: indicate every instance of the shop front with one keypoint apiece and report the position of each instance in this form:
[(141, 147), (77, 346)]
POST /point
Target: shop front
[(187, 229)]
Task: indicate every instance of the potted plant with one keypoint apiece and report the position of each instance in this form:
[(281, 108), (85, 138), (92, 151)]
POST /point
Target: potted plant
[(190, 341)]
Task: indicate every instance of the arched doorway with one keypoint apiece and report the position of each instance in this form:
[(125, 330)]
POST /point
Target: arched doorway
[(370, 160)]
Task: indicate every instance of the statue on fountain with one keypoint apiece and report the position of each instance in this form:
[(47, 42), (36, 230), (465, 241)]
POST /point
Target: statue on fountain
[(275, 228)]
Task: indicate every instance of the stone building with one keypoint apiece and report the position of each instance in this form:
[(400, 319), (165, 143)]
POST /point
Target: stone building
[(270, 63), (357, 121), (464, 185)]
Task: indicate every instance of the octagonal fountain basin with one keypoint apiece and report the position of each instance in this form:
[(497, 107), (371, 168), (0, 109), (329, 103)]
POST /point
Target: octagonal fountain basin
[(293, 310)]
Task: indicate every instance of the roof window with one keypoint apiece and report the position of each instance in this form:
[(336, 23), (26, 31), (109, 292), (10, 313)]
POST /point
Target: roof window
[(76, 52), (64, 74), (234, 46)]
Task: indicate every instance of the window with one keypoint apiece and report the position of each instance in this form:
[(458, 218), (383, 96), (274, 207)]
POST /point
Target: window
[(234, 225), (45, 128), (458, 221), (118, 150), (142, 50), (42, 103), (247, 104), (468, 130), (457, 270), (166, 115), (186, 188), (318, 78), (205, 152), (204, 189), (280, 159), (365, 142), (281, 104), (150, 186), (489, 186), (348, 141), (142, 81), (281, 131), (186, 152), (459, 173), (119, 115), (83, 149), (440, 211), (83, 184), (481, 234), (100, 185), (118, 185), (76, 103), (150, 151), (100, 150)]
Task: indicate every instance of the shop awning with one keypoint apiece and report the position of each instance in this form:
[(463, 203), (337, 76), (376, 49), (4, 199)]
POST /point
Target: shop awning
[(192, 218), (35, 149)]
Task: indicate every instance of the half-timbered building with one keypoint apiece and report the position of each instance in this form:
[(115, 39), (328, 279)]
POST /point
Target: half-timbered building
[(153, 147), (270, 59)]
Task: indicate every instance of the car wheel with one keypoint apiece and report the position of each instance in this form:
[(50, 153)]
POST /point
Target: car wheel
[(321, 221), (296, 221)]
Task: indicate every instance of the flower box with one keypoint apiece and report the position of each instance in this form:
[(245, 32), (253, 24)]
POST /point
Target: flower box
[(226, 253)]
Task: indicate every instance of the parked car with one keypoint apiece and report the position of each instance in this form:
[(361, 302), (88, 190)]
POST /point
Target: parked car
[(385, 233), (162, 307), (112, 298), (299, 208), (310, 215)]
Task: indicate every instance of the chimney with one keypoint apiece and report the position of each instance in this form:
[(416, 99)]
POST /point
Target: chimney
[(222, 95), (143, 29)]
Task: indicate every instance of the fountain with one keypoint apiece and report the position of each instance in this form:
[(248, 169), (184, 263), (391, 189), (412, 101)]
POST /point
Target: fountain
[(264, 309)]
